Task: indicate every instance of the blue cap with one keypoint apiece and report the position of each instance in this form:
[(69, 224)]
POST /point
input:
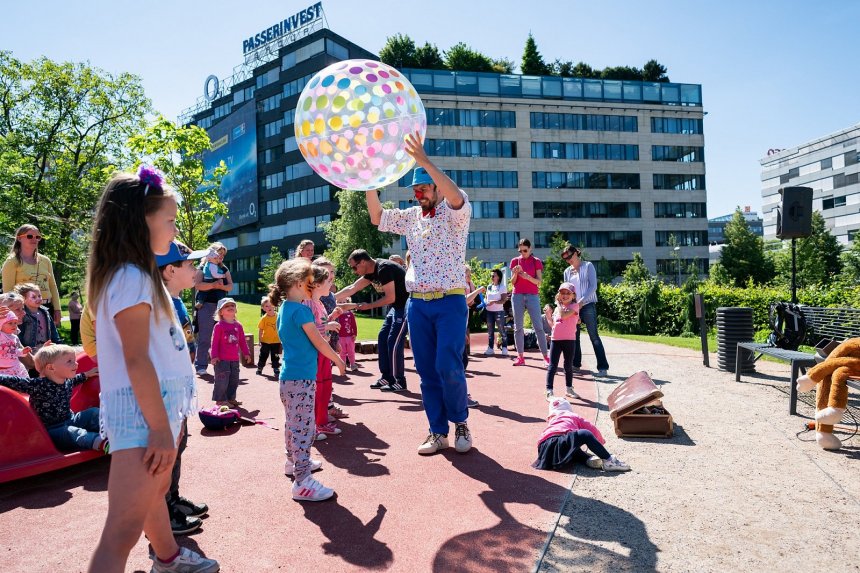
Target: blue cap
[(176, 254), (421, 177)]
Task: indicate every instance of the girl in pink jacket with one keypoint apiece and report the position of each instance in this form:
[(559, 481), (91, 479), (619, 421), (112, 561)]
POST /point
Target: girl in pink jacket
[(228, 347), (561, 442)]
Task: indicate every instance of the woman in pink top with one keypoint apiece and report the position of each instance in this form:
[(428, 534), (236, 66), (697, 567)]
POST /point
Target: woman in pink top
[(563, 322), (526, 273), (228, 347), (561, 442)]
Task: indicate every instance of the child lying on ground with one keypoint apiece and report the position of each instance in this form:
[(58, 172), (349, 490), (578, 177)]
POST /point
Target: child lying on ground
[(561, 442), (50, 394)]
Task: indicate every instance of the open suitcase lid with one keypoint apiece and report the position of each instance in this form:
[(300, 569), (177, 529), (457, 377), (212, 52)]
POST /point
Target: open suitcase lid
[(634, 393)]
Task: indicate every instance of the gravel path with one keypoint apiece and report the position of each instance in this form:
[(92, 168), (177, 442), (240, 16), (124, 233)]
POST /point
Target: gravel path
[(736, 489)]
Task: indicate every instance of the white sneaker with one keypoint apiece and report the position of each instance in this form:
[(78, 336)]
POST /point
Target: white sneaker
[(186, 562), (433, 444), (594, 462), (201, 371), (549, 395), (353, 367), (290, 467), (613, 464), (489, 351), (504, 351), (462, 438), (569, 393), (310, 489)]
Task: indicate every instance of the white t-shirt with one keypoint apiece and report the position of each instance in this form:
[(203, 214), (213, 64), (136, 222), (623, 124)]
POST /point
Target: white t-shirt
[(494, 297), (167, 349)]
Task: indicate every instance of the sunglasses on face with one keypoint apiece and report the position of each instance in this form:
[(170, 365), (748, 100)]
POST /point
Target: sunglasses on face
[(353, 267), (524, 251), (31, 236)]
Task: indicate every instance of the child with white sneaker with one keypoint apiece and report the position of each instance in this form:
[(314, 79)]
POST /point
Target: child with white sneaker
[(294, 282), (563, 322), (348, 331), (497, 292), (562, 440)]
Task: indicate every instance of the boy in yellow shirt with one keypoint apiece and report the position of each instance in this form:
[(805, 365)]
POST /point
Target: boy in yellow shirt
[(270, 344)]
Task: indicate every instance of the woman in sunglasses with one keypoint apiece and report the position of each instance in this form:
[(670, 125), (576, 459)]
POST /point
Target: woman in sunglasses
[(26, 265), (526, 272), (583, 276)]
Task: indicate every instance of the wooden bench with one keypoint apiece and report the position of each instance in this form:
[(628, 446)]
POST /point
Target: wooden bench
[(822, 325)]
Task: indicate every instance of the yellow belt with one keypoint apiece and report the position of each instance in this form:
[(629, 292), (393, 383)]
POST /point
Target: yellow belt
[(437, 294)]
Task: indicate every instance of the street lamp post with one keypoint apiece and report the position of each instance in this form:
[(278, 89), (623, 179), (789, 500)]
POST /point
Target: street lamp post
[(678, 261)]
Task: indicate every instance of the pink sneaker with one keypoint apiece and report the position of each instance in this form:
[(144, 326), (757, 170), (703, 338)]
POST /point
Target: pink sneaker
[(546, 360), (520, 361)]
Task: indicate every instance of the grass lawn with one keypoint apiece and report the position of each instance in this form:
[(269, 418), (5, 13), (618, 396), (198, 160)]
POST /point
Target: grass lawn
[(249, 316), (677, 341)]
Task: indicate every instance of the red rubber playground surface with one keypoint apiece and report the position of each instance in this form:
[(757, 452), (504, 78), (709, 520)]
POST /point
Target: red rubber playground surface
[(487, 510)]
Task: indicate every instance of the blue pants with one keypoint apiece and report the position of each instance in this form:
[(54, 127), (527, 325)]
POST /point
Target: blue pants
[(531, 302), (78, 432), (226, 380), (392, 337), (588, 317), (493, 318), (437, 345)]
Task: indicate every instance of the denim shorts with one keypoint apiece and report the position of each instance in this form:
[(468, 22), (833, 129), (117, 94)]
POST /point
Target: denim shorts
[(122, 423)]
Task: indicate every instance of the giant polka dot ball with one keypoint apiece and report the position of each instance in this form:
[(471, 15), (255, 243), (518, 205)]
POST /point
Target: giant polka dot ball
[(351, 122)]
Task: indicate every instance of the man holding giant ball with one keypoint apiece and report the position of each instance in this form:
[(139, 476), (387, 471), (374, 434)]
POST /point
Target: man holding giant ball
[(436, 232)]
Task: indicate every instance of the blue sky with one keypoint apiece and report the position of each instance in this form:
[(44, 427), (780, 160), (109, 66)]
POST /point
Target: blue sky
[(774, 74)]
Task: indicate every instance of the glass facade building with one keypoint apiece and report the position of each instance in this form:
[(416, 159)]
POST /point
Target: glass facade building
[(614, 166)]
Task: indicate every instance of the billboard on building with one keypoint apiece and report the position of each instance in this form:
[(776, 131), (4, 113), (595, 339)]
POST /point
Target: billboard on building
[(234, 141)]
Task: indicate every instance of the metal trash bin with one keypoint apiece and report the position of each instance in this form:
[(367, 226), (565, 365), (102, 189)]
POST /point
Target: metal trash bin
[(734, 324)]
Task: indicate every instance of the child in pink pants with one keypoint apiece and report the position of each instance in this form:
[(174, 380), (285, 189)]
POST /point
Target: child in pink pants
[(348, 330)]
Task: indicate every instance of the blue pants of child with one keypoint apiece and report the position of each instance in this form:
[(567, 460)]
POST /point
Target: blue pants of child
[(435, 336), (78, 432), (392, 337)]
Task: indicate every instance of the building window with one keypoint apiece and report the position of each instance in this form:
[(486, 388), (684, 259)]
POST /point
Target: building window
[(298, 170), (584, 122), (495, 210), (269, 77), (827, 163), (301, 198), (680, 210), (843, 180), (205, 122), (470, 117), (493, 239), (583, 210), (470, 148), (273, 181), (584, 180), (295, 227), (296, 86), (596, 151), (267, 156), (682, 238), (272, 129), (270, 103), (474, 179), (591, 239), (332, 48), (669, 267), (679, 182), (676, 125), (833, 202), (679, 153), (223, 110), (290, 117), (290, 144)]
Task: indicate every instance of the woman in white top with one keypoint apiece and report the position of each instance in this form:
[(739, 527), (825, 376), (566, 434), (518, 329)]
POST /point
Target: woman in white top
[(497, 293)]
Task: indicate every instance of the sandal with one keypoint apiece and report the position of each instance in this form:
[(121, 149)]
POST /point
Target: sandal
[(336, 412)]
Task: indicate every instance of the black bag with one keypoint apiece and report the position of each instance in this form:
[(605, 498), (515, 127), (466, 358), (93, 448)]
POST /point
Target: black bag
[(788, 325)]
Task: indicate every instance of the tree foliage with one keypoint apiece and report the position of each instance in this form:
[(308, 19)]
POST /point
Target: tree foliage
[(352, 230), (604, 271), (563, 69), (553, 270), (819, 259), (654, 71), (267, 273), (399, 51), (63, 129), (621, 73), (532, 62), (178, 152), (504, 66), (851, 261), (462, 57), (427, 57), (742, 255), (636, 272)]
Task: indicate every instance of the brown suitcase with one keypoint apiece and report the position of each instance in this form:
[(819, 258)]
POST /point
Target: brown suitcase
[(634, 393)]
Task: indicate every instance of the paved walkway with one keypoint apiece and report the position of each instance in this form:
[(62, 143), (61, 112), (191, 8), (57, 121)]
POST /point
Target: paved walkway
[(734, 490)]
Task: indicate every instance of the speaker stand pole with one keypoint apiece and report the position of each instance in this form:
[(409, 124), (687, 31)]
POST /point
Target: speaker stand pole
[(793, 271)]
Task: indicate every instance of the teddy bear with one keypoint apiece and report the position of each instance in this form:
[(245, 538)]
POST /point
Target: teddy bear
[(832, 394)]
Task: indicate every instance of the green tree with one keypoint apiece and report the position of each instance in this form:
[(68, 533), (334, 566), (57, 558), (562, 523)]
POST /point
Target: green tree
[(267, 273), (583, 70), (462, 57), (563, 69), (851, 261), (553, 270), (532, 62), (742, 255), (818, 255), (604, 271), (504, 66), (399, 51), (427, 57), (352, 230), (653, 71), (178, 152), (63, 129), (636, 272), (621, 73)]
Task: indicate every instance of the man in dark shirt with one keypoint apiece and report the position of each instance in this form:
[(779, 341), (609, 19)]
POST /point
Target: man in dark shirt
[(50, 395), (389, 279)]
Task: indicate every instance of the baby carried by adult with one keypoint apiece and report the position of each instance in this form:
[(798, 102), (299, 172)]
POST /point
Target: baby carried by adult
[(562, 440)]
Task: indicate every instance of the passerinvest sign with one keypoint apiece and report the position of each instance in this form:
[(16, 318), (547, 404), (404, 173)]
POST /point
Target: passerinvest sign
[(289, 28)]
